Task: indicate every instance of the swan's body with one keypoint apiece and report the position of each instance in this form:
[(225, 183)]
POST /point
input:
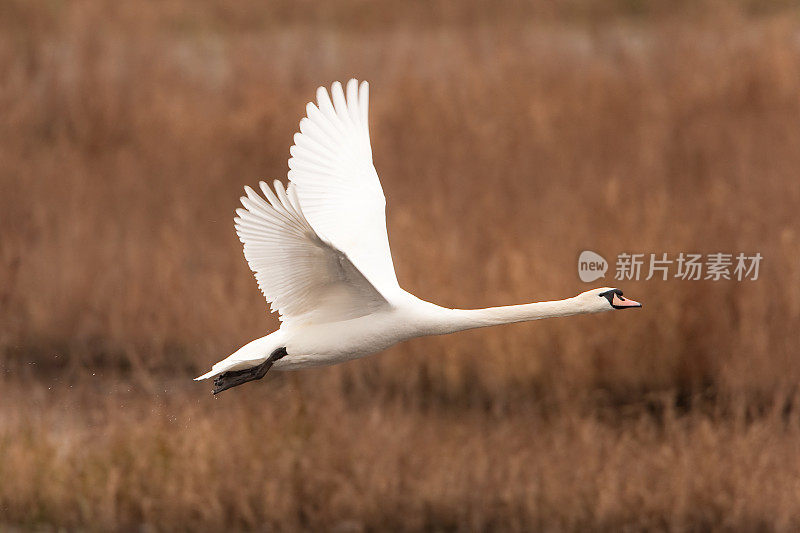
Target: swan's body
[(320, 253)]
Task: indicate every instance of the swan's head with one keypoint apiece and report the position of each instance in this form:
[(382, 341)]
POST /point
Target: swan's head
[(606, 299)]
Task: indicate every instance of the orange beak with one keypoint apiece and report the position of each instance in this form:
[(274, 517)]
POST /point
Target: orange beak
[(618, 302)]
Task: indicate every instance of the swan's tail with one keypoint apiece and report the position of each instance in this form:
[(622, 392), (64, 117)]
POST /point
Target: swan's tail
[(250, 355), (211, 373)]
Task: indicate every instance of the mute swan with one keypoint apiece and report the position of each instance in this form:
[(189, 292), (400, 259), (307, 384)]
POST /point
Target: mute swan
[(320, 254)]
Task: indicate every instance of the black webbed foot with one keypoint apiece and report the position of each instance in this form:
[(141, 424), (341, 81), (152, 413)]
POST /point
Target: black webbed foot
[(233, 378)]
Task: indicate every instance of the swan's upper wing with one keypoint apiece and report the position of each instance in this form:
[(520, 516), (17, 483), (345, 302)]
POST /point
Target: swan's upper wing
[(332, 172), (304, 277)]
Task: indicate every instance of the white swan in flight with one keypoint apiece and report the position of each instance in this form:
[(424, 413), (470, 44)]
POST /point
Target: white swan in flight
[(320, 254)]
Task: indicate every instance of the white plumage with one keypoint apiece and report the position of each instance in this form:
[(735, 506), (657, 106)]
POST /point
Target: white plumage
[(320, 253), (305, 278)]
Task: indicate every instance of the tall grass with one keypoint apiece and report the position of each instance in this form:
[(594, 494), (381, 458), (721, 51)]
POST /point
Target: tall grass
[(291, 457), (506, 144)]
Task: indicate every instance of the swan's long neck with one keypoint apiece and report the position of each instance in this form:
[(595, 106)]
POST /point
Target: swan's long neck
[(452, 320)]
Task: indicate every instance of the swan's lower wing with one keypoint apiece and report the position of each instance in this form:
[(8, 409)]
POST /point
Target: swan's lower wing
[(305, 278)]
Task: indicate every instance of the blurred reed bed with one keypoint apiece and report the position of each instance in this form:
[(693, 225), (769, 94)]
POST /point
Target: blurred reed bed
[(502, 154), (506, 144), (293, 457)]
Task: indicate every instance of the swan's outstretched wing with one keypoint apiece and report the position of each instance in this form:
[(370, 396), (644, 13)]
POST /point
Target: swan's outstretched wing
[(331, 169), (304, 277)]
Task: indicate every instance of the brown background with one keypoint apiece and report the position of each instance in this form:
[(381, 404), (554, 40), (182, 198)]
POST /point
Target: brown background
[(509, 136)]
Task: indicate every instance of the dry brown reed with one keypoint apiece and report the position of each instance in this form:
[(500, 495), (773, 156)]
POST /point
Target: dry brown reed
[(508, 140)]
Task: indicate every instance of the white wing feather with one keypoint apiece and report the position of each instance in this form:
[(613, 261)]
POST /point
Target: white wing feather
[(304, 277), (332, 173)]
